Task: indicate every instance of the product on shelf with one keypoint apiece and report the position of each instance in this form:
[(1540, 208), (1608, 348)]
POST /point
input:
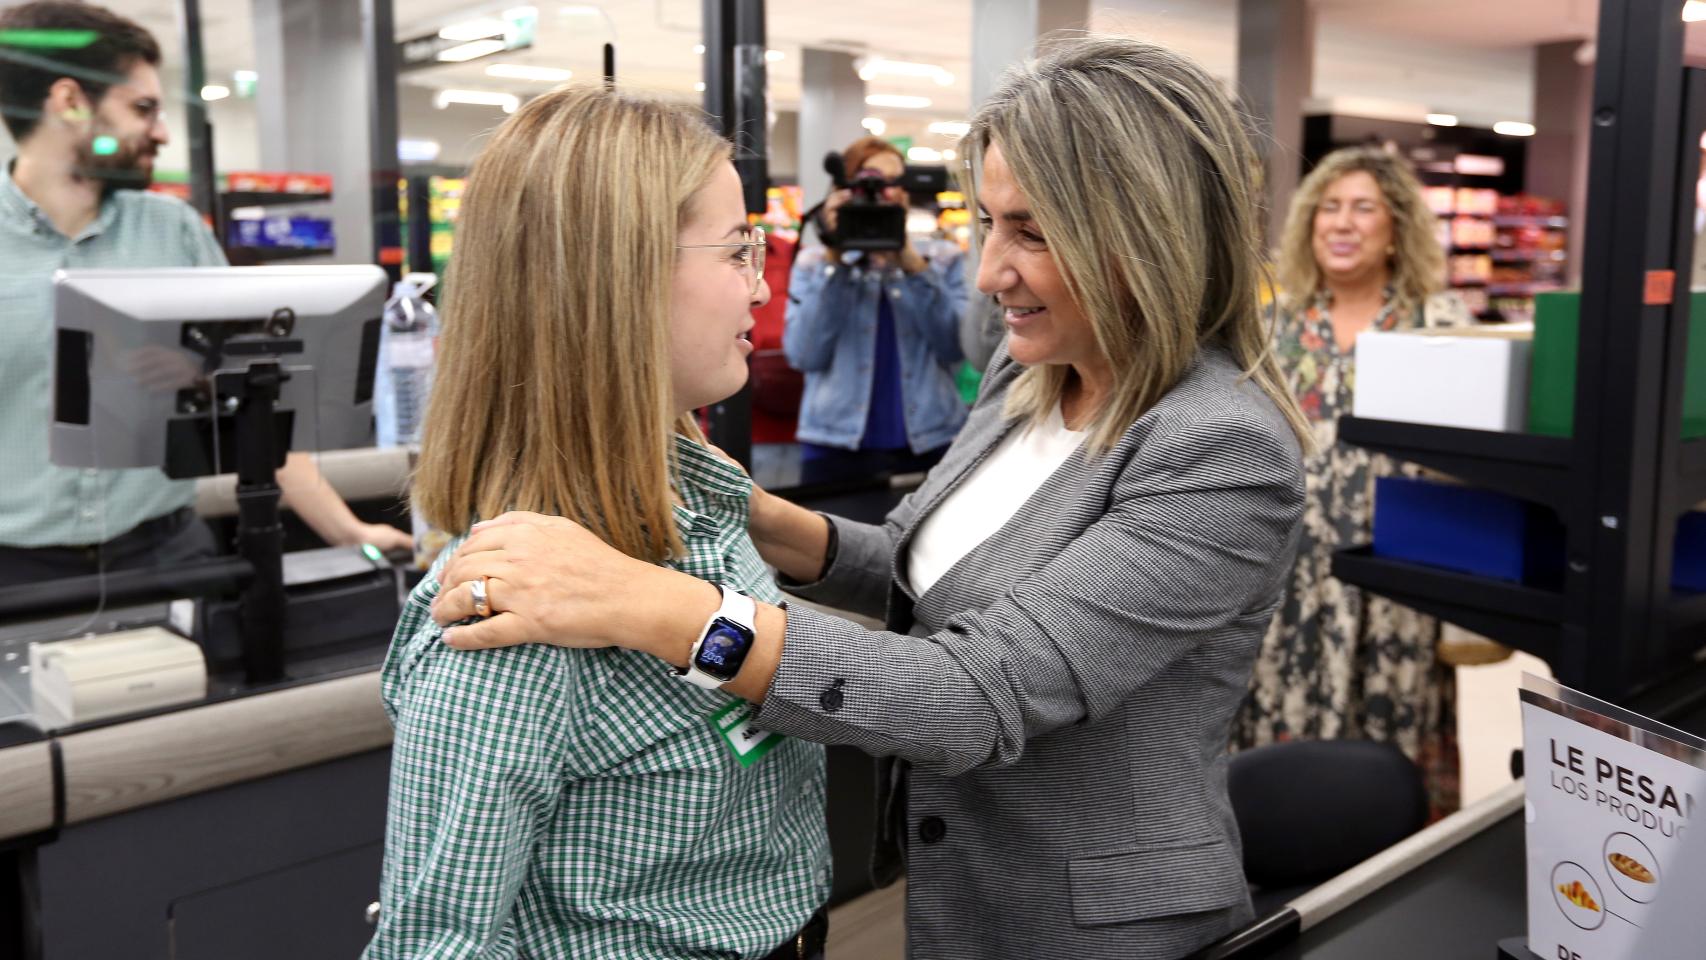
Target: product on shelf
[(250, 181), (1471, 232), (444, 205), (1441, 200), (1476, 201), (281, 233), (1468, 269)]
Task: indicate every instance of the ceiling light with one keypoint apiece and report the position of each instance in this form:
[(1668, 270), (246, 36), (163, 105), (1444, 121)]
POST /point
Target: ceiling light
[(949, 154), (875, 125), (215, 91), (923, 155), (897, 100), (878, 67), (478, 29), (1443, 119), (773, 55), (521, 71), (472, 50), (1514, 128), (1694, 10), (478, 98), (951, 128), (699, 87), (699, 48)]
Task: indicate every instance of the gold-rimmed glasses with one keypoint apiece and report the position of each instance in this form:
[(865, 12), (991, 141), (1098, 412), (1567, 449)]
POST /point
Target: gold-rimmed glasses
[(752, 255)]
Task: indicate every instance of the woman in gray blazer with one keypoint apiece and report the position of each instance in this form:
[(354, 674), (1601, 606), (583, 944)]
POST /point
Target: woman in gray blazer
[(1075, 595)]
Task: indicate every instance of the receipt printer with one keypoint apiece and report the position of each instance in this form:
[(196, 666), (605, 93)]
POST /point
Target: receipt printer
[(76, 681)]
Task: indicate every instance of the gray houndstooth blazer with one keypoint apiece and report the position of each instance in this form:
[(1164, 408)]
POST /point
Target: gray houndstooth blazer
[(1059, 702)]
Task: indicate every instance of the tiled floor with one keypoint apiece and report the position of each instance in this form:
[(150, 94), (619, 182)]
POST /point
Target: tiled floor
[(1489, 726)]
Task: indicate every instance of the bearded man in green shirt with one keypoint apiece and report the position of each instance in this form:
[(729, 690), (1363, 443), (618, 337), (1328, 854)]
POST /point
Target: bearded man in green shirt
[(81, 96)]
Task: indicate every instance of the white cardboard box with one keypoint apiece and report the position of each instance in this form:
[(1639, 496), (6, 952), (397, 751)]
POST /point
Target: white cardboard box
[(1475, 382), (76, 681)]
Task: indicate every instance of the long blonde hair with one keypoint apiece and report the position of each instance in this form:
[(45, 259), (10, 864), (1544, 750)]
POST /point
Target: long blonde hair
[(553, 391), (1139, 172), (1418, 262)]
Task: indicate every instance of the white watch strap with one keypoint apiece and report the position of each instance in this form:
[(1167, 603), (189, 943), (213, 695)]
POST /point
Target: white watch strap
[(736, 606)]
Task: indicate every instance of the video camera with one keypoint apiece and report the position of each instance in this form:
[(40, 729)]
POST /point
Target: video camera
[(866, 221)]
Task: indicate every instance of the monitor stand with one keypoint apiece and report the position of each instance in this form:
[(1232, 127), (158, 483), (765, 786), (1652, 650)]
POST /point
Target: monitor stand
[(260, 533)]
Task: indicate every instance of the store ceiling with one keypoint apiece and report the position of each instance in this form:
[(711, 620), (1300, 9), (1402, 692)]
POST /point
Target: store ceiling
[(655, 38)]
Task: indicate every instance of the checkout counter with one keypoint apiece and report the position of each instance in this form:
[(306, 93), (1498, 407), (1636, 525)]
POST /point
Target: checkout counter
[(248, 822), (1458, 889)]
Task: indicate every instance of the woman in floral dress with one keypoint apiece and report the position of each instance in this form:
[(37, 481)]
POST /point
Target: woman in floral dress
[(1359, 253)]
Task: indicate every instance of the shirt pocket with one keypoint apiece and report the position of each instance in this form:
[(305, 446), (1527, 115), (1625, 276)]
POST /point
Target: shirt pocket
[(1148, 883)]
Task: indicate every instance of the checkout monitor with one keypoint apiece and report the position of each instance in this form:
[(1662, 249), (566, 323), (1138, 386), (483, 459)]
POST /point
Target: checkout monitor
[(147, 361)]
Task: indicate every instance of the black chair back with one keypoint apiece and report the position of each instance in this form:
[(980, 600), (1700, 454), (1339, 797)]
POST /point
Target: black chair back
[(1310, 809)]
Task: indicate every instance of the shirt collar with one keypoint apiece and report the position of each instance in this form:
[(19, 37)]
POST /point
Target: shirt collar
[(18, 209), (711, 488), (15, 208)]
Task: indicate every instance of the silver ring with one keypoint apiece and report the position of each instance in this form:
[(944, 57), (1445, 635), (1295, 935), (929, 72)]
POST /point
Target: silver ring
[(482, 607)]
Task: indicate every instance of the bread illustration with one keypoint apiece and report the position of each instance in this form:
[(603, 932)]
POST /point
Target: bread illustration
[(1578, 895), (1632, 868)]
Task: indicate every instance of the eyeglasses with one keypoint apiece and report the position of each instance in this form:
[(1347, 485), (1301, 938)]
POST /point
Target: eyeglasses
[(750, 258)]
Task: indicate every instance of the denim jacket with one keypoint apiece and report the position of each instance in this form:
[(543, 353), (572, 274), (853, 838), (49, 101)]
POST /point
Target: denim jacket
[(831, 337)]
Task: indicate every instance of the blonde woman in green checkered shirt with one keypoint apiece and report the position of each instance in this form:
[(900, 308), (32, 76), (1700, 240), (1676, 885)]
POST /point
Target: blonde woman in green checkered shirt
[(550, 802)]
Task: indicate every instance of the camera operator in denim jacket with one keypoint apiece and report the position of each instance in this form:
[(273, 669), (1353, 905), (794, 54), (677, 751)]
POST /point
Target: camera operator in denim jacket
[(876, 334)]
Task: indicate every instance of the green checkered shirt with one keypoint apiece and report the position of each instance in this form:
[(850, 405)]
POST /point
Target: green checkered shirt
[(42, 505), (554, 803)]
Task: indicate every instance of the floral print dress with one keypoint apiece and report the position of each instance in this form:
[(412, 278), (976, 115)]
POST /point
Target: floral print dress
[(1338, 663)]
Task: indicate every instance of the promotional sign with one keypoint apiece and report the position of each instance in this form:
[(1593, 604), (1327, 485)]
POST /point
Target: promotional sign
[(1611, 797)]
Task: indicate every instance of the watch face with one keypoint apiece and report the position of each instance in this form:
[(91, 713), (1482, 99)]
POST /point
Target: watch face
[(724, 649)]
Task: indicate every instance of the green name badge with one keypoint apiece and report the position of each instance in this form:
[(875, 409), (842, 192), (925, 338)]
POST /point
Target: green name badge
[(734, 724)]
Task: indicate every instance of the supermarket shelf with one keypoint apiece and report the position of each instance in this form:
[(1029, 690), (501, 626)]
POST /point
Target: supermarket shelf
[(1515, 220), (1467, 282), (276, 254), (1522, 465), (1521, 256), (1526, 618), (246, 198), (1521, 289)]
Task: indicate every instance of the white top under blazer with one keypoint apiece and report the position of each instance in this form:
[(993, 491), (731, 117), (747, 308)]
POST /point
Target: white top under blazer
[(989, 497)]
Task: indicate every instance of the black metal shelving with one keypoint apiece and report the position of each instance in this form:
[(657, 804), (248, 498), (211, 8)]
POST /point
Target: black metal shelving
[(1525, 618), (233, 199), (1522, 465), (277, 254), (1621, 482)]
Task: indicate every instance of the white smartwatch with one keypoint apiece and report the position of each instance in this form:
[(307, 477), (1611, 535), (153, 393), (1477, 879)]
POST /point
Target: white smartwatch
[(724, 643)]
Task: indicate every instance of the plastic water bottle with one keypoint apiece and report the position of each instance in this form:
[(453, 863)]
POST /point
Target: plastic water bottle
[(404, 378)]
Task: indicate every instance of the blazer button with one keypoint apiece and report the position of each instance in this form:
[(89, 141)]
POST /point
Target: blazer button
[(831, 699), (932, 829)]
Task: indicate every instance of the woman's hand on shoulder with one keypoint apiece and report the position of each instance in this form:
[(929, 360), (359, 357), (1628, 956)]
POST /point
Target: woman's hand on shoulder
[(548, 580)]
